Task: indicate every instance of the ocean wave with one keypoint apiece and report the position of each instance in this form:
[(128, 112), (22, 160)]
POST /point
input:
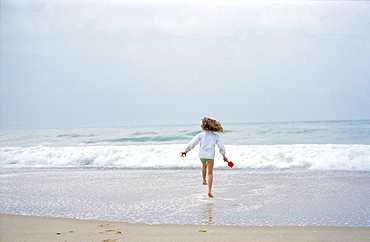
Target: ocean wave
[(74, 136), (142, 139), (308, 157)]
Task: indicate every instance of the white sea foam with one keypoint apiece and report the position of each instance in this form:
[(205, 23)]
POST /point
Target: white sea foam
[(310, 157)]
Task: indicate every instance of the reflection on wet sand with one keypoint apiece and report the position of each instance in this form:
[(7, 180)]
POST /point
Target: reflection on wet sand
[(207, 216)]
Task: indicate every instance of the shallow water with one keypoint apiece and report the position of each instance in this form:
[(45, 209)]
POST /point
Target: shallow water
[(242, 197)]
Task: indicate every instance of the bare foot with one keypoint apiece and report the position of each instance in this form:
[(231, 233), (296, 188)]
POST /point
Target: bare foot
[(204, 183), (210, 195)]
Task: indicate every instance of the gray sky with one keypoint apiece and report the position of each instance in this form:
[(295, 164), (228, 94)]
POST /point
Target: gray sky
[(116, 63)]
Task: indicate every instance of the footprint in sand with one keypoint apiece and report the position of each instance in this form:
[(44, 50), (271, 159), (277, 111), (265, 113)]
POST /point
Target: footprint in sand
[(117, 231), (102, 225)]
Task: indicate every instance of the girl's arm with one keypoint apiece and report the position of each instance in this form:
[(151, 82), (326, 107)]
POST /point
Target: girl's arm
[(222, 149), (191, 145)]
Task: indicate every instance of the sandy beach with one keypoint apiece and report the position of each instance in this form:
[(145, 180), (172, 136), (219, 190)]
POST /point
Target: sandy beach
[(34, 228)]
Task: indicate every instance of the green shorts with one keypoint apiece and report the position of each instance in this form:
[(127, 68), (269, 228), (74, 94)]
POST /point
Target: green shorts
[(204, 160)]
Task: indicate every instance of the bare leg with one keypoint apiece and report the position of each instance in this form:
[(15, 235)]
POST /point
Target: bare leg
[(210, 176), (204, 172)]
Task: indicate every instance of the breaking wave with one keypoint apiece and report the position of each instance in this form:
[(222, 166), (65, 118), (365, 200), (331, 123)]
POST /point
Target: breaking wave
[(299, 156)]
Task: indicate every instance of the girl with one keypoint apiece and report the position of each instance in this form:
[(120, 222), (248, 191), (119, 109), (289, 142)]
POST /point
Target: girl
[(208, 140)]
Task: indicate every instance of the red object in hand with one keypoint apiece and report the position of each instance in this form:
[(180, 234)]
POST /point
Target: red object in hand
[(230, 163)]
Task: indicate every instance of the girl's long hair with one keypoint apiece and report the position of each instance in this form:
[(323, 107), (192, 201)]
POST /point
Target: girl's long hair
[(209, 124)]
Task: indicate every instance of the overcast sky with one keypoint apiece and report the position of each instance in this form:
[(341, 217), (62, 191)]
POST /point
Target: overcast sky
[(115, 63)]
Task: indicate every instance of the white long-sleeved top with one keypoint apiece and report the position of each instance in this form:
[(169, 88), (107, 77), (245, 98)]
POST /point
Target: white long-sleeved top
[(208, 140)]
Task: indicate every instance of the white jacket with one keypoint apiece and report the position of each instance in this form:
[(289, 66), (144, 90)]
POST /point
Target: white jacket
[(208, 140)]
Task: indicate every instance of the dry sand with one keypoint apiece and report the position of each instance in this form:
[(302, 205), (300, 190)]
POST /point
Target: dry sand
[(33, 228)]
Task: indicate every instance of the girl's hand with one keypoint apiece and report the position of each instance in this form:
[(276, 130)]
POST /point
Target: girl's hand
[(183, 154), (225, 159)]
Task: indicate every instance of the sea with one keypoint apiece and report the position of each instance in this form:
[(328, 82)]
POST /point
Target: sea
[(287, 173)]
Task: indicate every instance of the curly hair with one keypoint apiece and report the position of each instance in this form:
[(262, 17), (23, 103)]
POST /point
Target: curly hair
[(209, 124)]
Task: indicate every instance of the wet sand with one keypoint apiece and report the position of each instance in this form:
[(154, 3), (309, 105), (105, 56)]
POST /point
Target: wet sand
[(34, 228), (242, 198)]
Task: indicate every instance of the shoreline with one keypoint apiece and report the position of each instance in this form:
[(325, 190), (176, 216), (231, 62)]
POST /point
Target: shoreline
[(36, 228)]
